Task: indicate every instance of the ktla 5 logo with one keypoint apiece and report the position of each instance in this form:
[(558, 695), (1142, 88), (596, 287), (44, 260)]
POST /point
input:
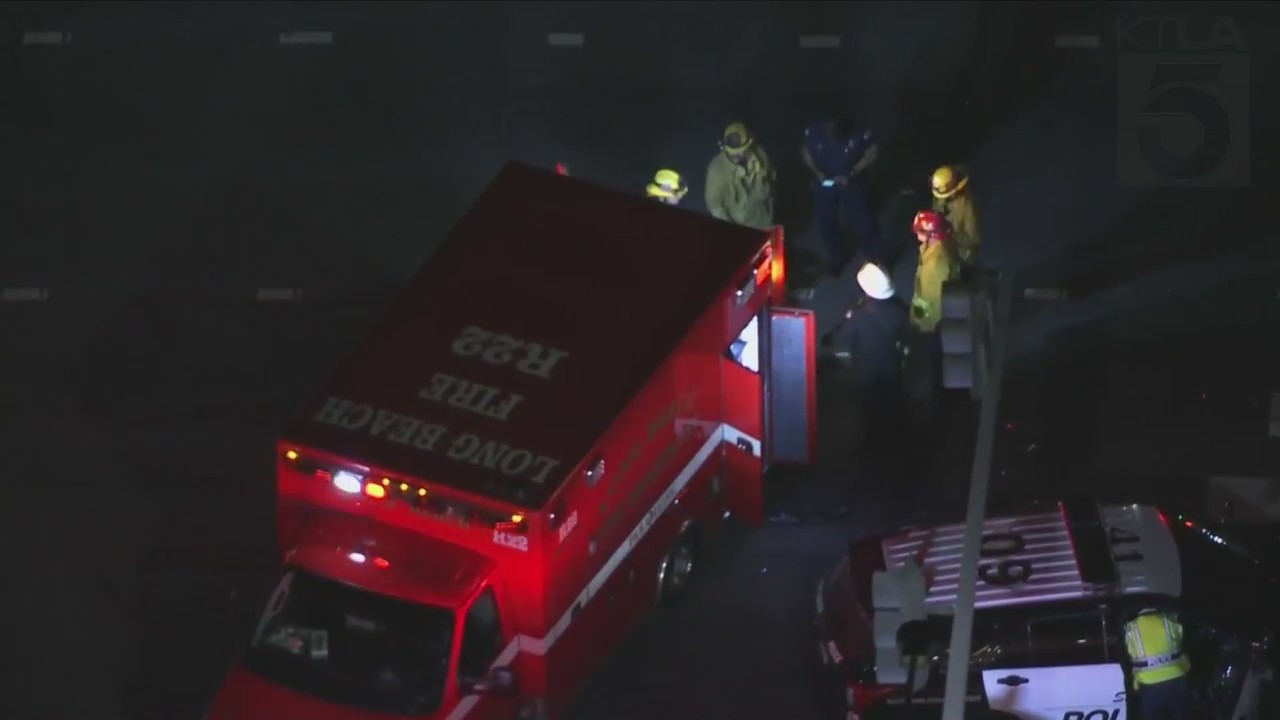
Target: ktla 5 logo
[(1183, 102)]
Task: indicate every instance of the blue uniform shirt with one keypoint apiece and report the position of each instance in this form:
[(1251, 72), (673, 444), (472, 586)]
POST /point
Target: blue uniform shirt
[(834, 157)]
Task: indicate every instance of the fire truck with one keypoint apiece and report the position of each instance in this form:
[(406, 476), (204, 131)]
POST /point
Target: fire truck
[(572, 398)]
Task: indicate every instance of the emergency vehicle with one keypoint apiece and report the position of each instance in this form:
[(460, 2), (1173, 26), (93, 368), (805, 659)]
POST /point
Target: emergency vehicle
[(1055, 588), (576, 392)]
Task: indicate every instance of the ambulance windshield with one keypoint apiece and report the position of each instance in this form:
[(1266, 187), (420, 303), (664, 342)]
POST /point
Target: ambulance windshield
[(351, 647)]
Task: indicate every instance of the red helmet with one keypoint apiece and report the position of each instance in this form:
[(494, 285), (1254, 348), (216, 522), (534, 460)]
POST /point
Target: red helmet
[(930, 223)]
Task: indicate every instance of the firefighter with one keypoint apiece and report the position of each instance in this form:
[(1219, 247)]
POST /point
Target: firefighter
[(921, 346), (950, 184), (874, 328), (839, 158), (667, 187), (740, 180), (937, 265), (1154, 642)]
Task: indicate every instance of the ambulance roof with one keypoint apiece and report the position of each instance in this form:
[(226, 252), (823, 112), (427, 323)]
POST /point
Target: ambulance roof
[(614, 280), (1072, 551)]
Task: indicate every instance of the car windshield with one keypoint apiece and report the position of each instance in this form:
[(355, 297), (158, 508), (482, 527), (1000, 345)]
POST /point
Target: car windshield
[(351, 647), (1225, 579)]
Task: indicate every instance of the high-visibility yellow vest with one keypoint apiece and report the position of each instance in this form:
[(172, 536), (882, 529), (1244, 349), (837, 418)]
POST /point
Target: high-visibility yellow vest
[(1154, 643)]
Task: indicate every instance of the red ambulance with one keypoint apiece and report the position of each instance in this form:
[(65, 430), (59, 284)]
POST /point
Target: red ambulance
[(575, 393)]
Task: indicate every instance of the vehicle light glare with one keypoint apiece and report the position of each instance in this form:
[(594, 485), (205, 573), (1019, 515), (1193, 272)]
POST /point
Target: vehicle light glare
[(291, 455), (375, 491), (517, 518), (356, 557), (381, 563), (422, 492), (347, 482)]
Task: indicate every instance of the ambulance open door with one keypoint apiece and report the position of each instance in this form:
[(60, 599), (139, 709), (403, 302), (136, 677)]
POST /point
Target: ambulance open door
[(790, 387)]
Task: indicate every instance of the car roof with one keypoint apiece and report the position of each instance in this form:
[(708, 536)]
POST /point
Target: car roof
[(613, 279), (417, 568), (1074, 551)]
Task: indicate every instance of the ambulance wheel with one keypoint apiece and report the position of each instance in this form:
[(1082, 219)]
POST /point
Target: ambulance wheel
[(675, 572)]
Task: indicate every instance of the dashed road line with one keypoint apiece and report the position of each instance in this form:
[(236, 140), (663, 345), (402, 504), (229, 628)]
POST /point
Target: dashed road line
[(46, 37), (566, 39), (1274, 429), (1044, 294), (25, 295), (820, 42), (1077, 42), (279, 294), (803, 294), (305, 37)]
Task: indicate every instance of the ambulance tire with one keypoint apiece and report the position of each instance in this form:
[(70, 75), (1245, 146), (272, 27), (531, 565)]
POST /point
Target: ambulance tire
[(678, 566)]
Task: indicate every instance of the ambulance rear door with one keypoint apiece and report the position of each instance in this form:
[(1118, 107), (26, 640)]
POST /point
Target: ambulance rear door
[(790, 387), (1068, 692)]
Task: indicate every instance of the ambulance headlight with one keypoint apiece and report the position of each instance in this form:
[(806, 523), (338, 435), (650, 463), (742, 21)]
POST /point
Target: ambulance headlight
[(348, 482)]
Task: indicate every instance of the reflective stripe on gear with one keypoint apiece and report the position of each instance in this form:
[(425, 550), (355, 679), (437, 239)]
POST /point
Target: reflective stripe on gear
[(1154, 643)]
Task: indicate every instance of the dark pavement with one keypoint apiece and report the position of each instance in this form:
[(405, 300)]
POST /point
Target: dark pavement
[(172, 162)]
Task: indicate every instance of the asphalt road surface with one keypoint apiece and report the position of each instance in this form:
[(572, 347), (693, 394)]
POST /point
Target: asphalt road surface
[(169, 165)]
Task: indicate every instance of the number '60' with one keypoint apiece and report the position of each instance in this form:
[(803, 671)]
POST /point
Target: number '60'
[(1006, 572)]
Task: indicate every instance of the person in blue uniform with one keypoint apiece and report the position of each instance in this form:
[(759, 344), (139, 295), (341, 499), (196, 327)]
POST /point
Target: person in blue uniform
[(839, 156)]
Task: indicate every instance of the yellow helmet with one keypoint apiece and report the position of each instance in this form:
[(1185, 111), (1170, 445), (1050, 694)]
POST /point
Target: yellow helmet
[(737, 139), (948, 180), (666, 184)]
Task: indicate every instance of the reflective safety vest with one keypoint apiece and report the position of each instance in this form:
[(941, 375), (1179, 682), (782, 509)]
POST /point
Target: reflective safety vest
[(1154, 643)]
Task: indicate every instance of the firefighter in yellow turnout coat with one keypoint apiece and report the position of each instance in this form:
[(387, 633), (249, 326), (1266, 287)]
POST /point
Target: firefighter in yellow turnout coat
[(951, 199), (740, 180)]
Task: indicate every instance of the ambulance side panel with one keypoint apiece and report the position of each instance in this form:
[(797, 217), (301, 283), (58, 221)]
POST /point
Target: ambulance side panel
[(662, 464), (743, 388)]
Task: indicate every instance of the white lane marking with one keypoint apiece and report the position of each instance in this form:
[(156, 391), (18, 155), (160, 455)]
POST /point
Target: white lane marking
[(819, 42), (1044, 294), (25, 294), (1077, 42), (721, 433), (562, 39), (1274, 429), (278, 294), (51, 37), (306, 37)]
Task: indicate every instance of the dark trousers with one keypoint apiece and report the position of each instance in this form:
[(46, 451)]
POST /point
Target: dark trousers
[(851, 203), (1169, 700), (881, 405)]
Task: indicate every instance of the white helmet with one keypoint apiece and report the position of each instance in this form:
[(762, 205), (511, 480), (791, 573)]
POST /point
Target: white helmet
[(874, 282)]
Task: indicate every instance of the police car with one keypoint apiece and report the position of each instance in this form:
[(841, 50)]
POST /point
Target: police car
[(1055, 587)]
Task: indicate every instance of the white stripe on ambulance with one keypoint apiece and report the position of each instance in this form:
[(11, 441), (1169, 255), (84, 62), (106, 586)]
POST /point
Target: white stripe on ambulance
[(719, 434)]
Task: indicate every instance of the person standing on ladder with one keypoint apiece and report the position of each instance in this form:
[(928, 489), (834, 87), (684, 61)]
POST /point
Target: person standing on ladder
[(1154, 643)]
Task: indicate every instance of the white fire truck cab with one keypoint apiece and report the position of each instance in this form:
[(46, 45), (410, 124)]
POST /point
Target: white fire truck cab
[(530, 450)]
